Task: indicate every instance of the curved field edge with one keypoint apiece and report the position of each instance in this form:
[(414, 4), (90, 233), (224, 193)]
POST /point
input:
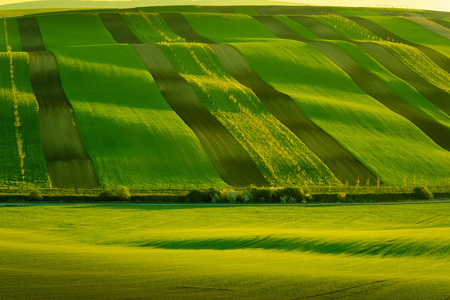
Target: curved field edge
[(158, 150), (168, 251), (345, 167), (271, 70), (230, 159), (403, 62), (246, 118), (204, 90), (371, 84), (377, 59), (353, 117)]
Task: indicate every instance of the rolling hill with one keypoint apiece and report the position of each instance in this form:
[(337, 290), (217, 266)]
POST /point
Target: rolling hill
[(224, 96)]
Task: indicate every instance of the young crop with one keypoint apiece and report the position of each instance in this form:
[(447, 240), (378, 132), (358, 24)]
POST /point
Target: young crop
[(151, 28), (267, 141), (420, 64), (347, 28)]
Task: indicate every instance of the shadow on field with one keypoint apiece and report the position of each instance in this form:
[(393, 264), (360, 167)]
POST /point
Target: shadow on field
[(387, 248)]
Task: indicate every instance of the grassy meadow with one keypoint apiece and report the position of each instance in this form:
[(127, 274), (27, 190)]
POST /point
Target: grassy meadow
[(354, 252)]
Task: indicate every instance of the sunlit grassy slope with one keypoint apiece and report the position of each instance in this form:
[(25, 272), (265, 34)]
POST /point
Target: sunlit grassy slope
[(73, 30), (9, 35), (373, 252), (21, 158), (413, 32), (370, 131), (150, 28), (268, 141), (132, 140)]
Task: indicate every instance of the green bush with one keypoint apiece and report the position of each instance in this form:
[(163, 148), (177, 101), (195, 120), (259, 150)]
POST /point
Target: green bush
[(290, 195), (35, 196), (341, 196), (212, 195), (261, 195), (423, 193), (122, 194), (194, 196), (106, 195), (230, 196)]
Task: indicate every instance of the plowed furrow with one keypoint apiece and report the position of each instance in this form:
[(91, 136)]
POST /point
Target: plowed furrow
[(67, 161)]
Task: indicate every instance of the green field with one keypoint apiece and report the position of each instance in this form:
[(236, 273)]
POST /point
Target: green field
[(150, 28), (21, 158), (354, 252), (73, 30), (126, 146), (350, 116), (413, 32), (238, 108), (347, 96)]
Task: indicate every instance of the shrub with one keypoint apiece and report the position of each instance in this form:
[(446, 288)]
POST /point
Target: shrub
[(210, 195), (230, 196), (423, 193), (246, 197), (122, 194), (194, 196), (291, 195), (35, 196), (262, 195), (341, 196), (106, 195)]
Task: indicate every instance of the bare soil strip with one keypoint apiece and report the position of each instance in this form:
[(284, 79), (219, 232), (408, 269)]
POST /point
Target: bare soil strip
[(344, 166), (435, 95), (439, 58), (67, 161), (369, 83), (231, 161), (178, 24), (116, 25)]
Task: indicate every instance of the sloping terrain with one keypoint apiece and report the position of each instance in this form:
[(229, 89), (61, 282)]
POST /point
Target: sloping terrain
[(183, 252), (217, 96)]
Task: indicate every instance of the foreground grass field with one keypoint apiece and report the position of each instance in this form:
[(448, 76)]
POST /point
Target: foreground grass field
[(351, 252)]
